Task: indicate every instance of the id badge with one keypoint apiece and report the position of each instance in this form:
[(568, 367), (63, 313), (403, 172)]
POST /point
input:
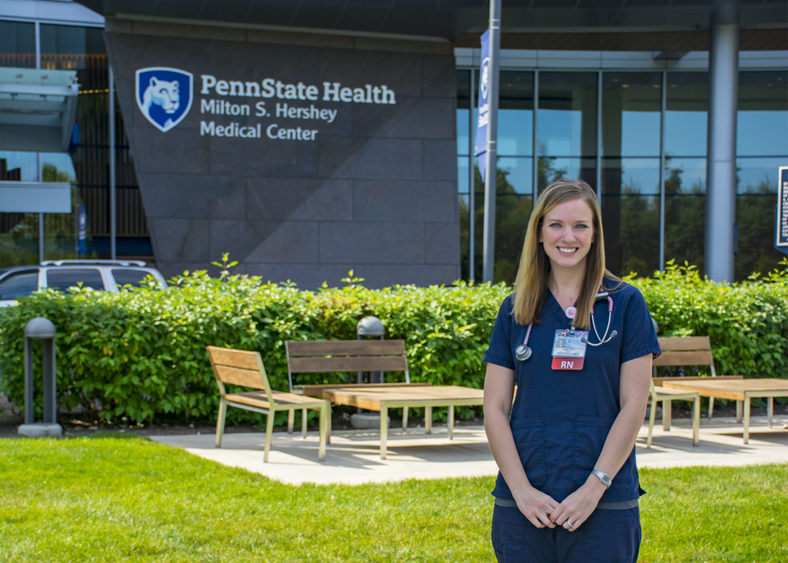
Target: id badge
[(569, 351)]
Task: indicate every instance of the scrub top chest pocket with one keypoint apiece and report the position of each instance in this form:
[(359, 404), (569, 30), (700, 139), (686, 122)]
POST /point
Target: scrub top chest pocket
[(569, 349)]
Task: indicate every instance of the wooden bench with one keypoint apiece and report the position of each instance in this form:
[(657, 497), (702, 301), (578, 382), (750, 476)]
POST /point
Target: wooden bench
[(688, 351), (343, 356), (238, 367), (681, 351), (333, 357), (327, 357)]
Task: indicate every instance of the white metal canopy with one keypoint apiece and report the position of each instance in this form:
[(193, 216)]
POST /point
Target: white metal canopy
[(37, 109), (35, 197)]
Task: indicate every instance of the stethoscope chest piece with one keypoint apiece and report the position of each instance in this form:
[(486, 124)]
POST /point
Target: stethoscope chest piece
[(522, 352)]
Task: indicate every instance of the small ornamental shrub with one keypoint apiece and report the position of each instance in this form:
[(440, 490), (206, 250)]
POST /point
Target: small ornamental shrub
[(141, 353)]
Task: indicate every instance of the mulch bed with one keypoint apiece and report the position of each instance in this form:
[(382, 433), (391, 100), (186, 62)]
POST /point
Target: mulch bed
[(77, 425)]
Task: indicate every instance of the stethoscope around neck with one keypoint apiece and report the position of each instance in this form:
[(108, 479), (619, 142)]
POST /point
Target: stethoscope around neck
[(523, 351)]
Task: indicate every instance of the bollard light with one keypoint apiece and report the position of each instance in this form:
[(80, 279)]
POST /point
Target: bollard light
[(370, 326), (41, 329)]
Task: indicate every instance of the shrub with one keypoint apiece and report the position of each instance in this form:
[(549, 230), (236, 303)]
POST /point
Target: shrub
[(141, 353), (747, 323)]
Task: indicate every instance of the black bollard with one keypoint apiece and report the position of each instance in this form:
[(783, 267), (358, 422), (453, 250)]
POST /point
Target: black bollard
[(41, 329)]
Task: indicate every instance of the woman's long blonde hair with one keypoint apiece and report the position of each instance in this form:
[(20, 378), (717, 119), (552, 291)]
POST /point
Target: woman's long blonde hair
[(531, 283)]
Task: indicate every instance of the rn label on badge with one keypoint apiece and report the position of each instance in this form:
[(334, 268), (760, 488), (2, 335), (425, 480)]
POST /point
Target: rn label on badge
[(569, 350)]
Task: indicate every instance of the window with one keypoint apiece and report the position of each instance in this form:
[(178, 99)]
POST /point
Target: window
[(72, 48), (19, 284), (686, 103), (566, 131), (641, 151), (17, 44), (61, 280), (124, 276), (761, 148), (631, 112)]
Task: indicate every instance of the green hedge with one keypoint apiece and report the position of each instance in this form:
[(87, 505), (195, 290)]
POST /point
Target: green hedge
[(747, 323), (141, 353)]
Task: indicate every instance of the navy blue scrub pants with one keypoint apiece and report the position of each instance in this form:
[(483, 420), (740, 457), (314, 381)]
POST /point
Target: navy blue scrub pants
[(608, 536)]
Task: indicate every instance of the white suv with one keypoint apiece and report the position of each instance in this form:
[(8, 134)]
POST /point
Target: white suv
[(61, 274)]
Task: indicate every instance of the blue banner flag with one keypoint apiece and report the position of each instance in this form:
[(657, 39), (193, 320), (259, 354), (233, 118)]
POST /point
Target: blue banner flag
[(83, 230), (484, 107)]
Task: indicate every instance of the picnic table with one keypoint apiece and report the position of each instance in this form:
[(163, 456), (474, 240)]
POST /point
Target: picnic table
[(382, 399), (736, 390)]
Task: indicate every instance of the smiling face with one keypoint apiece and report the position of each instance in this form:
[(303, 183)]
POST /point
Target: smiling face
[(567, 234)]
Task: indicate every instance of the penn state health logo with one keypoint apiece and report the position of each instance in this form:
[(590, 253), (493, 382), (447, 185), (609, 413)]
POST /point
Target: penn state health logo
[(164, 95), (485, 81)]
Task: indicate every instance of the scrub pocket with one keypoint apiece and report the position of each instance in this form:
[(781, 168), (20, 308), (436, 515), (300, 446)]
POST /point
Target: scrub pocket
[(529, 438), (590, 433), (612, 536)]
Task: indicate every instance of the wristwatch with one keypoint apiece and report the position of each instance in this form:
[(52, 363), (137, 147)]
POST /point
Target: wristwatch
[(604, 477)]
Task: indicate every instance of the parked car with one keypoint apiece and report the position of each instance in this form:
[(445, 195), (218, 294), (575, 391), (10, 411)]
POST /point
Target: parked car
[(61, 274)]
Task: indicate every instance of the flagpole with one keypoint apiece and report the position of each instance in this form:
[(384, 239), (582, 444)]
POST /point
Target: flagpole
[(492, 136)]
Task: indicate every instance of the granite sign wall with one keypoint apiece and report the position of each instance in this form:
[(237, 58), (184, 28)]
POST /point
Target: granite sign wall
[(302, 155)]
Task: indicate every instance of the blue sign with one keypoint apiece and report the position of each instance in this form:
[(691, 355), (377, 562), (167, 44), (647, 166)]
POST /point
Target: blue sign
[(484, 106), (83, 229), (781, 215), (164, 95)]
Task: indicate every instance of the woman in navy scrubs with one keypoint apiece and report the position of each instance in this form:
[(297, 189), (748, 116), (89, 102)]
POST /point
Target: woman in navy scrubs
[(577, 344)]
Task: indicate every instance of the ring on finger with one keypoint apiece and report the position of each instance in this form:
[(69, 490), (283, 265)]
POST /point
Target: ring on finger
[(569, 523)]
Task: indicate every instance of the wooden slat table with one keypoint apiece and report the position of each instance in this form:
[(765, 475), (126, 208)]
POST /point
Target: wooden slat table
[(317, 390), (736, 390), (383, 399)]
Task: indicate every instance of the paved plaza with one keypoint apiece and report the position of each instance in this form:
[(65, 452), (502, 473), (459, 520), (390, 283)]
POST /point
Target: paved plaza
[(353, 457)]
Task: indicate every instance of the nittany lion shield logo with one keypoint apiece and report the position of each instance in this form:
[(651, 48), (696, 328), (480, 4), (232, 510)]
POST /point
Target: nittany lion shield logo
[(164, 95), (485, 80)]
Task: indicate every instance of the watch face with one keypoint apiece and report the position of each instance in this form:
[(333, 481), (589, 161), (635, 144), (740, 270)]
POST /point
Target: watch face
[(604, 477)]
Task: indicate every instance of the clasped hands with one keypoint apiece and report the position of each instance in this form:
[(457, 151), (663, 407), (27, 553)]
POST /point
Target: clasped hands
[(543, 511)]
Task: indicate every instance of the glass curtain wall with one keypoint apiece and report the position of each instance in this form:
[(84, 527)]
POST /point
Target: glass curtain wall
[(86, 166), (17, 44), (566, 132), (761, 148), (686, 107), (514, 176), (514, 172), (19, 232), (82, 49), (631, 115), (651, 128), (60, 229)]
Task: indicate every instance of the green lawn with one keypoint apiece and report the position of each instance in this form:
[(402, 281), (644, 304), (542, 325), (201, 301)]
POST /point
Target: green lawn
[(127, 499)]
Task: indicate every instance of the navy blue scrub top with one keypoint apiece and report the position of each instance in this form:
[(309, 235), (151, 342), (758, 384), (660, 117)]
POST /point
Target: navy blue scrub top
[(560, 419)]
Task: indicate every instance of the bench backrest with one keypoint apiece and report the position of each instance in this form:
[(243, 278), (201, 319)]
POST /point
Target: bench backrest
[(685, 351), (239, 367), (332, 356)]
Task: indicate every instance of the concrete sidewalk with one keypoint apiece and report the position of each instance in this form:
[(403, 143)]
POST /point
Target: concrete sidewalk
[(353, 457)]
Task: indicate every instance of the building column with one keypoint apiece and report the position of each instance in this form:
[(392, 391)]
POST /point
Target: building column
[(721, 154)]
